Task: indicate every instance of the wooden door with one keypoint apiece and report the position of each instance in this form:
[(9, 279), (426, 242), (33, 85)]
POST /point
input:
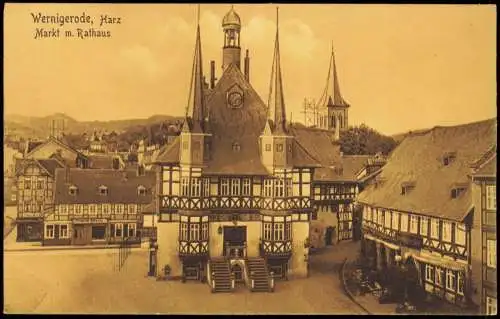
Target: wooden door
[(79, 235)]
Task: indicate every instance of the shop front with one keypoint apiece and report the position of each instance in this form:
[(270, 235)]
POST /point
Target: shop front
[(29, 230)]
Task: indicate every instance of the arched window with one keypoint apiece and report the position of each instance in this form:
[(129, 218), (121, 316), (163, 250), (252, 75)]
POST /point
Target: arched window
[(341, 123)]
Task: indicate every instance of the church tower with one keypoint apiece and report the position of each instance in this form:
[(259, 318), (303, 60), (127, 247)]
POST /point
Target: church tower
[(276, 142), (231, 53), (338, 108), (193, 136)]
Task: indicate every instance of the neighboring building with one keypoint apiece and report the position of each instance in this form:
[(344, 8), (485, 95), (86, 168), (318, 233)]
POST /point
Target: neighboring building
[(97, 144), (59, 146), (97, 206), (423, 208), (484, 232), (105, 161), (147, 154), (35, 185)]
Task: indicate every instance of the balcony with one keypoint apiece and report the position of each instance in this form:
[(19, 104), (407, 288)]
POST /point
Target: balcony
[(276, 248), (234, 202), (193, 248)]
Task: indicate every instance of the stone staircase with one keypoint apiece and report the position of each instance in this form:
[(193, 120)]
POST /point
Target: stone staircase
[(257, 271), (221, 275)]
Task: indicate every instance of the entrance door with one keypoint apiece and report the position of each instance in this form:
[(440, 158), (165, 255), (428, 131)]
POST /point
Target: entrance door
[(234, 241), (329, 236), (79, 235), (237, 272)]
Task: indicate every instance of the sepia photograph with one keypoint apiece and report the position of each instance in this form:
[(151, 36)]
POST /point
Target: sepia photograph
[(249, 159)]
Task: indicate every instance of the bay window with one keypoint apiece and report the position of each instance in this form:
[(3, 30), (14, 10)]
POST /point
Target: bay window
[(460, 234), (380, 217), (184, 186), (279, 187), (395, 220), (194, 229), (387, 218), (245, 190), (195, 187), (268, 187), (404, 222), (235, 186), (276, 231)]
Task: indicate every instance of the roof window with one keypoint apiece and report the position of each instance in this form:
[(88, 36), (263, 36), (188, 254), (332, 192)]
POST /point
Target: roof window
[(73, 190), (449, 158), (407, 187), (103, 190)]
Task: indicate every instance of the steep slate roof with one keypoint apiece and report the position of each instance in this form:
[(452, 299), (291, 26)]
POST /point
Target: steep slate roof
[(88, 181), (102, 161), (487, 167), (49, 165), (170, 153), (32, 145), (229, 125), (419, 159)]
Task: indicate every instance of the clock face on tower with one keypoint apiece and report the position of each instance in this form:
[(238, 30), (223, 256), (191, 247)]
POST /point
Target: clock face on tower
[(235, 99)]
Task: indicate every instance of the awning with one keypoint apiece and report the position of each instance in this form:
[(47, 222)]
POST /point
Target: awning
[(441, 262), (388, 245)]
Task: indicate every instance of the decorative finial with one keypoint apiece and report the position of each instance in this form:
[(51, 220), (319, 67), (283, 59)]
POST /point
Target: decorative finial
[(198, 14), (277, 16)]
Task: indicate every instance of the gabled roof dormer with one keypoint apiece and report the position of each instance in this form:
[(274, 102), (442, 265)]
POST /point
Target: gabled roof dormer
[(141, 190), (103, 190), (448, 158), (407, 187), (458, 189), (73, 190)]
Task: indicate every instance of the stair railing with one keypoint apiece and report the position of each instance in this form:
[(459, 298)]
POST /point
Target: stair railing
[(253, 284)]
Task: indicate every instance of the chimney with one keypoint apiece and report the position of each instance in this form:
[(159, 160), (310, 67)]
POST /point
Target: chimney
[(247, 67), (212, 74)]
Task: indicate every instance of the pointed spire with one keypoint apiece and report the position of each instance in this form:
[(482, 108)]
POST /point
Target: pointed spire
[(338, 100), (276, 103), (195, 104)]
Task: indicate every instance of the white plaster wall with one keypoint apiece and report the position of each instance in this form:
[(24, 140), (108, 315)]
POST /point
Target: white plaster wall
[(298, 265), (253, 234), (150, 220), (167, 248)]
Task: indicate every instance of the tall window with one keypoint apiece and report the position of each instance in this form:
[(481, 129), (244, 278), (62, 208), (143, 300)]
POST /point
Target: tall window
[(491, 305), (184, 231), (414, 224), (245, 191), (380, 217), (184, 186), (460, 283), (424, 223), (49, 231), (491, 253), (267, 231), (131, 230), (439, 276), (491, 197), (460, 234), (279, 187), (118, 230), (206, 187), (278, 231), (387, 218), (194, 232), (446, 231), (395, 220), (435, 228), (450, 280), (195, 187), (404, 222), (204, 231), (224, 186), (268, 187), (288, 187), (429, 273), (235, 186), (63, 232), (288, 231)]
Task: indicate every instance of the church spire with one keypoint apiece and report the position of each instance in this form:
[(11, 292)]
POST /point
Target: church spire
[(335, 96), (276, 103), (195, 104)]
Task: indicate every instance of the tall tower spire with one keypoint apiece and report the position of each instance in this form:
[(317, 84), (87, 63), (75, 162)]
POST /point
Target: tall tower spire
[(276, 102), (338, 100), (195, 104)]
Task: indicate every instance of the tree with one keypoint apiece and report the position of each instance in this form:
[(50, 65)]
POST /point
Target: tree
[(363, 140)]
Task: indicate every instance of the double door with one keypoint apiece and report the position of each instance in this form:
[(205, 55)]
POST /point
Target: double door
[(235, 238), (82, 234)]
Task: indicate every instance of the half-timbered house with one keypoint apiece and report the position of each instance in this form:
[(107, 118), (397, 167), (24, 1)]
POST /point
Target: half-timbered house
[(97, 206), (418, 213), (35, 186), (484, 232)]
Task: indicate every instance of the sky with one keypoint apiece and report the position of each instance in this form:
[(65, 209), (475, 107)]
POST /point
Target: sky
[(400, 67)]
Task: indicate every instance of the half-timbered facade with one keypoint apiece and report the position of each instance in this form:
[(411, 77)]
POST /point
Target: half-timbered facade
[(484, 232), (35, 190), (419, 211), (236, 183), (97, 206)]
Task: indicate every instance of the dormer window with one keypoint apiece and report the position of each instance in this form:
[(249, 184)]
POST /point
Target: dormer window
[(141, 190), (407, 187), (236, 147), (103, 190), (458, 190), (449, 158), (73, 190)]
